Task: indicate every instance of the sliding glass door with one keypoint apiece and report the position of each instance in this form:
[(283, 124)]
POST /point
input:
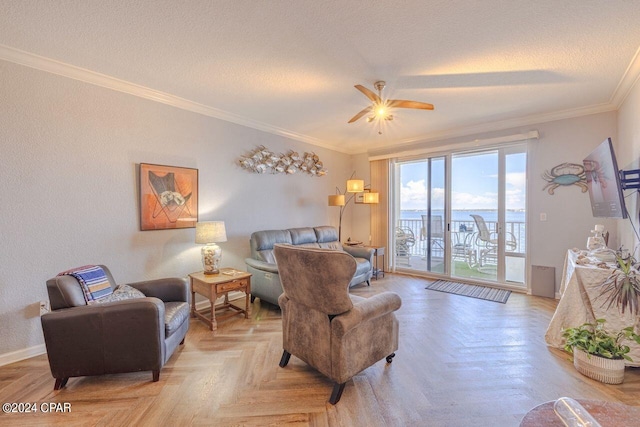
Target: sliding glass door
[(474, 208), (515, 177), (420, 229), (462, 215)]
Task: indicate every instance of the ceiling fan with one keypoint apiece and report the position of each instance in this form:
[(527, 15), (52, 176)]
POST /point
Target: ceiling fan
[(381, 108)]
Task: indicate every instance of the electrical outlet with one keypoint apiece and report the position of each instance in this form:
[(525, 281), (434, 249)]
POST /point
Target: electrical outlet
[(44, 307)]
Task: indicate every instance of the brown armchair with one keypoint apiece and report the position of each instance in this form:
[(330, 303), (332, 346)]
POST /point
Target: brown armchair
[(122, 336), (336, 333)]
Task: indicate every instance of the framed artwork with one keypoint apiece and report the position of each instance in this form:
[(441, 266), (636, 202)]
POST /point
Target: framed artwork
[(168, 197), (359, 198)]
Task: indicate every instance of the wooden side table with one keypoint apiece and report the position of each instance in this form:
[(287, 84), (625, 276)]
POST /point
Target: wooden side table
[(213, 285)]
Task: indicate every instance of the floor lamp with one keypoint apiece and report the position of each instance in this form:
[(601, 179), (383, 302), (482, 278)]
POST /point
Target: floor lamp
[(338, 200), (353, 186)]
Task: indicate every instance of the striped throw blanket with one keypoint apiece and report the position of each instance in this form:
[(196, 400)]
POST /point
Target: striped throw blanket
[(93, 281)]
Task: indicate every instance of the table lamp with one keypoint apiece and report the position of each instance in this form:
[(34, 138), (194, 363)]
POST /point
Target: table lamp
[(209, 233)]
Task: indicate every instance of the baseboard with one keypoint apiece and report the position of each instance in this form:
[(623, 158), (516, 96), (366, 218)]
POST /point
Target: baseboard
[(25, 353)]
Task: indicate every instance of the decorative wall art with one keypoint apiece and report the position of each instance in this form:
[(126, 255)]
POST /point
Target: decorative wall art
[(168, 197), (262, 160), (565, 174)]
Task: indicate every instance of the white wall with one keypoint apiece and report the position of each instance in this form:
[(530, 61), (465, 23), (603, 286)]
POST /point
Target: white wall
[(627, 148), (569, 214), (68, 155), (569, 217)]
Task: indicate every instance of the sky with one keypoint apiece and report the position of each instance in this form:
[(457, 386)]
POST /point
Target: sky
[(474, 182)]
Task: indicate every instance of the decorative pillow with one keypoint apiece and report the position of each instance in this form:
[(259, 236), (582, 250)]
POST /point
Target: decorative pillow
[(122, 292)]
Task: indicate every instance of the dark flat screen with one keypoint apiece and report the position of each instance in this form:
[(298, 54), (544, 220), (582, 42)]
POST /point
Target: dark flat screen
[(603, 181)]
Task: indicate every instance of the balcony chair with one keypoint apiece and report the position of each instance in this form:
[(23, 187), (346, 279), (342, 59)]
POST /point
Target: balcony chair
[(405, 240), (137, 331), (463, 249), (336, 333), (487, 241), (436, 238)]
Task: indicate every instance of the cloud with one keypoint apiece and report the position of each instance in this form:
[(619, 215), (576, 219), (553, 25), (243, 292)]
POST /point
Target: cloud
[(473, 201), (516, 179), (414, 196)]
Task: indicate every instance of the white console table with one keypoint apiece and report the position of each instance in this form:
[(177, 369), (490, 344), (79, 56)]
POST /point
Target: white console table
[(580, 303)]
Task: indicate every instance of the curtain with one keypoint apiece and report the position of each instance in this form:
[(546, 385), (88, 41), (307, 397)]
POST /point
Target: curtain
[(379, 173)]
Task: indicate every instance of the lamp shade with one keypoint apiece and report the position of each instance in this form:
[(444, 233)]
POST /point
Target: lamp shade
[(210, 232), (370, 198), (336, 200), (355, 186)]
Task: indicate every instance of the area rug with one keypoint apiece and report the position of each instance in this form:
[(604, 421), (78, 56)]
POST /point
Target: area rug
[(467, 290)]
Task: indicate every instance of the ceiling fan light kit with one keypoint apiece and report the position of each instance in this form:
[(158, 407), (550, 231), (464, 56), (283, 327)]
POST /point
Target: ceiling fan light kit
[(381, 108)]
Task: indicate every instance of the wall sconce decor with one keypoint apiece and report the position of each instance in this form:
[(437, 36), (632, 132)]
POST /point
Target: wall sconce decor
[(261, 160)]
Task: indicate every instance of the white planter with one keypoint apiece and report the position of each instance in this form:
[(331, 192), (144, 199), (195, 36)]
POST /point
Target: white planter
[(608, 371)]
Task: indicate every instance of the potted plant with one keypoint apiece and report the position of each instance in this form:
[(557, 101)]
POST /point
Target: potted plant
[(622, 287), (607, 348)]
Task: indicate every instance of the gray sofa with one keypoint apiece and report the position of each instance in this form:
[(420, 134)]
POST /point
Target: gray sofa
[(265, 283)]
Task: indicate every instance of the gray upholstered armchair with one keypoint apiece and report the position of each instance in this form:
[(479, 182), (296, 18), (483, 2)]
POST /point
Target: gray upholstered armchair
[(128, 335), (336, 333)]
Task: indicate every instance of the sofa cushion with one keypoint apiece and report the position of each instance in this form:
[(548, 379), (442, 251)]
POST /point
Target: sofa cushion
[(300, 236), (262, 243), (175, 314), (267, 238), (122, 292), (336, 246), (326, 234), (65, 292)]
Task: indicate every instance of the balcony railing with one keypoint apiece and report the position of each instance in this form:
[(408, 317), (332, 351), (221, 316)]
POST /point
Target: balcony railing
[(464, 234)]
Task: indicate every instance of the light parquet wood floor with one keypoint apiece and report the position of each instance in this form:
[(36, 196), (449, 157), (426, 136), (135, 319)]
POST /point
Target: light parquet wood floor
[(461, 362)]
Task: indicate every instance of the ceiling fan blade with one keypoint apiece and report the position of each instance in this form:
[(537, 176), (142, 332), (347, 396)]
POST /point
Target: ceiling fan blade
[(360, 114), (400, 103), (368, 93)]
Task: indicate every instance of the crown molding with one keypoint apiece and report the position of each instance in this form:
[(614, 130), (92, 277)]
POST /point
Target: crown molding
[(628, 80), (501, 125), (461, 146), (53, 66), (630, 77)]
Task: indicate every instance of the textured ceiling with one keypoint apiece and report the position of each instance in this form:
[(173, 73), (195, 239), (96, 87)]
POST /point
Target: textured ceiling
[(290, 66)]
